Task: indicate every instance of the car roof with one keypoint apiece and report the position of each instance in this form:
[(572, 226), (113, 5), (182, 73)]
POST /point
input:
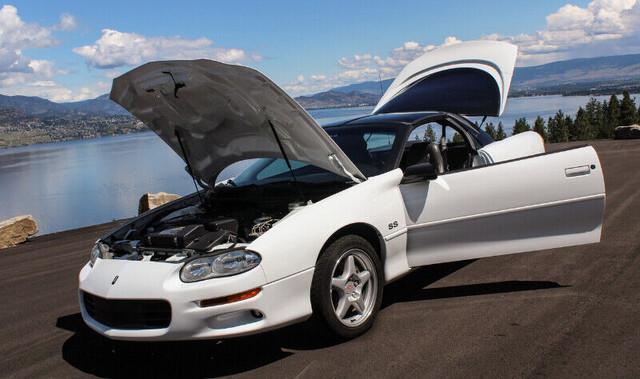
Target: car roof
[(405, 118)]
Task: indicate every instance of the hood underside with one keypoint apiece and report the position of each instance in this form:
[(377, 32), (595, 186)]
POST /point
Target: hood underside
[(224, 114)]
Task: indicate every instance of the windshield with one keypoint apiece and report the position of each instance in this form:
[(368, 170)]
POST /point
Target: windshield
[(368, 148)]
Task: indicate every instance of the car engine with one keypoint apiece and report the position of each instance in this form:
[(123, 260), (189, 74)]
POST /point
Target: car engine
[(227, 217)]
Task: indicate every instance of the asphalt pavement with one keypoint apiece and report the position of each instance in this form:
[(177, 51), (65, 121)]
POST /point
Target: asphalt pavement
[(570, 312)]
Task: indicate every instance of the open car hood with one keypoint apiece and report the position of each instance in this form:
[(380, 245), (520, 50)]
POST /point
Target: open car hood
[(223, 114), (469, 78)]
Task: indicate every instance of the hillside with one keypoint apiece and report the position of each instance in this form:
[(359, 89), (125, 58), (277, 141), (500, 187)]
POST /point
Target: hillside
[(584, 76), (100, 105), (334, 99)]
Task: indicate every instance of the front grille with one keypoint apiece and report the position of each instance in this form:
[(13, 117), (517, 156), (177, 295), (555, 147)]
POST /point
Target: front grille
[(128, 314)]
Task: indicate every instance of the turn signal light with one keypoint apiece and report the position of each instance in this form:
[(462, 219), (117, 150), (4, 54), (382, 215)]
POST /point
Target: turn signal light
[(231, 298)]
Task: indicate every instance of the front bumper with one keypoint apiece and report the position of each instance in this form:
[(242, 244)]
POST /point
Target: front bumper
[(279, 303)]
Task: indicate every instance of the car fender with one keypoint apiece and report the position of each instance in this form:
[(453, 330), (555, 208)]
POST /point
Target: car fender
[(295, 242)]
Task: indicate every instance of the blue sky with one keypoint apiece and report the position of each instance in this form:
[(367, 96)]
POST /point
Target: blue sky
[(70, 50)]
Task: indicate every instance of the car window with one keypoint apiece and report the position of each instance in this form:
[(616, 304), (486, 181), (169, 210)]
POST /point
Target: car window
[(453, 153), (277, 167), (368, 147), (368, 150), (432, 132)]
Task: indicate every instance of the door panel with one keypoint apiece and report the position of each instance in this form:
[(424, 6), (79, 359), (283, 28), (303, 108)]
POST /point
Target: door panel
[(511, 207)]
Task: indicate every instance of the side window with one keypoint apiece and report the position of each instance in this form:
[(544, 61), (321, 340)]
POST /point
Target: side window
[(429, 132), (452, 152)]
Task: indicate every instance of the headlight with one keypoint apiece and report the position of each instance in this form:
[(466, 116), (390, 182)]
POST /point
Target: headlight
[(225, 264), (99, 250)]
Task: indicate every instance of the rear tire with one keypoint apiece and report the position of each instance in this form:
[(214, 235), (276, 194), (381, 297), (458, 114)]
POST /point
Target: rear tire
[(346, 291)]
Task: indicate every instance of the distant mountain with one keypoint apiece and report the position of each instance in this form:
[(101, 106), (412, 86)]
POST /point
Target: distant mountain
[(377, 88), (601, 75), (36, 106), (583, 76), (334, 99), (33, 105), (101, 105), (578, 76)]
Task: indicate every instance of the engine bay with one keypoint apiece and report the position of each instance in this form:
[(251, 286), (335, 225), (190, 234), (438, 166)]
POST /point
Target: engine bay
[(216, 219)]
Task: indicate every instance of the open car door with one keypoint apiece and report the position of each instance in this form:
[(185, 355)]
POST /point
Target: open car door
[(538, 202), (469, 78)]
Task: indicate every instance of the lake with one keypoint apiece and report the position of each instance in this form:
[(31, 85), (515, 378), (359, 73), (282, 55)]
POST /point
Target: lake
[(67, 185)]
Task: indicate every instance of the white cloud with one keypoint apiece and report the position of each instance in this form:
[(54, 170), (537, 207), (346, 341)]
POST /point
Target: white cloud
[(58, 92), (67, 22), (116, 49), (365, 67), (16, 35), (604, 27), (110, 74)]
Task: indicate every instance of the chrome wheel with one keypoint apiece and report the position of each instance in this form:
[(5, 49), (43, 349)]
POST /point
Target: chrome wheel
[(354, 287)]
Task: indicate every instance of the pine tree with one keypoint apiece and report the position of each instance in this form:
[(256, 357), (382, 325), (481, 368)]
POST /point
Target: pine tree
[(538, 127), (603, 132), (521, 125), (628, 110), (613, 116), (490, 129), (457, 138), (579, 129), (557, 128), (568, 124), (595, 119), (429, 134), (500, 134)]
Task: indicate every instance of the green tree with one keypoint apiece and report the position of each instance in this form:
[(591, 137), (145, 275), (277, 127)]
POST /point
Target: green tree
[(538, 127), (628, 112), (457, 138), (579, 129), (568, 122), (521, 125), (557, 128), (490, 129), (429, 134), (500, 134), (595, 119), (612, 114)]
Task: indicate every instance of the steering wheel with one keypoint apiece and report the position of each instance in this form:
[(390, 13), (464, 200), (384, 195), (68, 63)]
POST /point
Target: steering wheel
[(435, 157)]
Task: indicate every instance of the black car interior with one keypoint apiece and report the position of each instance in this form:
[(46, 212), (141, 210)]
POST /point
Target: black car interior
[(444, 154)]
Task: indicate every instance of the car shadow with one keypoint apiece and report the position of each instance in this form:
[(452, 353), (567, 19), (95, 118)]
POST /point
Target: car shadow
[(93, 354), (412, 286)]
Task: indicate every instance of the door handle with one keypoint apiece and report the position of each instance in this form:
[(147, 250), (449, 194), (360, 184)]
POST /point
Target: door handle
[(577, 171)]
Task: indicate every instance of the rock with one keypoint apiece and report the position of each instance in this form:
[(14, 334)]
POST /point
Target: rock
[(152, 200), (627, 132), (16, 230)]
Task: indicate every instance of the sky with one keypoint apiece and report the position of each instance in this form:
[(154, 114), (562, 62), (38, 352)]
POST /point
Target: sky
[(71, 50)]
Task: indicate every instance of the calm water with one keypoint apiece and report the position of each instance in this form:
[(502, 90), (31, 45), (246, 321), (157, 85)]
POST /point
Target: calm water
[(67, 185)]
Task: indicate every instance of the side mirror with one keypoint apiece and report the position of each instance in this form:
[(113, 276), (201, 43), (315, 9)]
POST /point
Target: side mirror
[(420, 172)]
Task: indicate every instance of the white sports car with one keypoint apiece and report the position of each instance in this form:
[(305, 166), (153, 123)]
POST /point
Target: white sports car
[(324, 217)]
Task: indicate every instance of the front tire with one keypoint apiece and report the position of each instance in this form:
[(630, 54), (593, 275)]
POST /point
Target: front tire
[(346, 291)]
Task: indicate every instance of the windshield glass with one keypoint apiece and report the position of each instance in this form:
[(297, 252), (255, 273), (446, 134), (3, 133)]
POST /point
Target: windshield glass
[(367, 147)]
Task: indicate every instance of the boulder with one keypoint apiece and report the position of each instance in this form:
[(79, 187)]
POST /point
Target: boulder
[(152, 200), (16, 230), (627, 132)]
